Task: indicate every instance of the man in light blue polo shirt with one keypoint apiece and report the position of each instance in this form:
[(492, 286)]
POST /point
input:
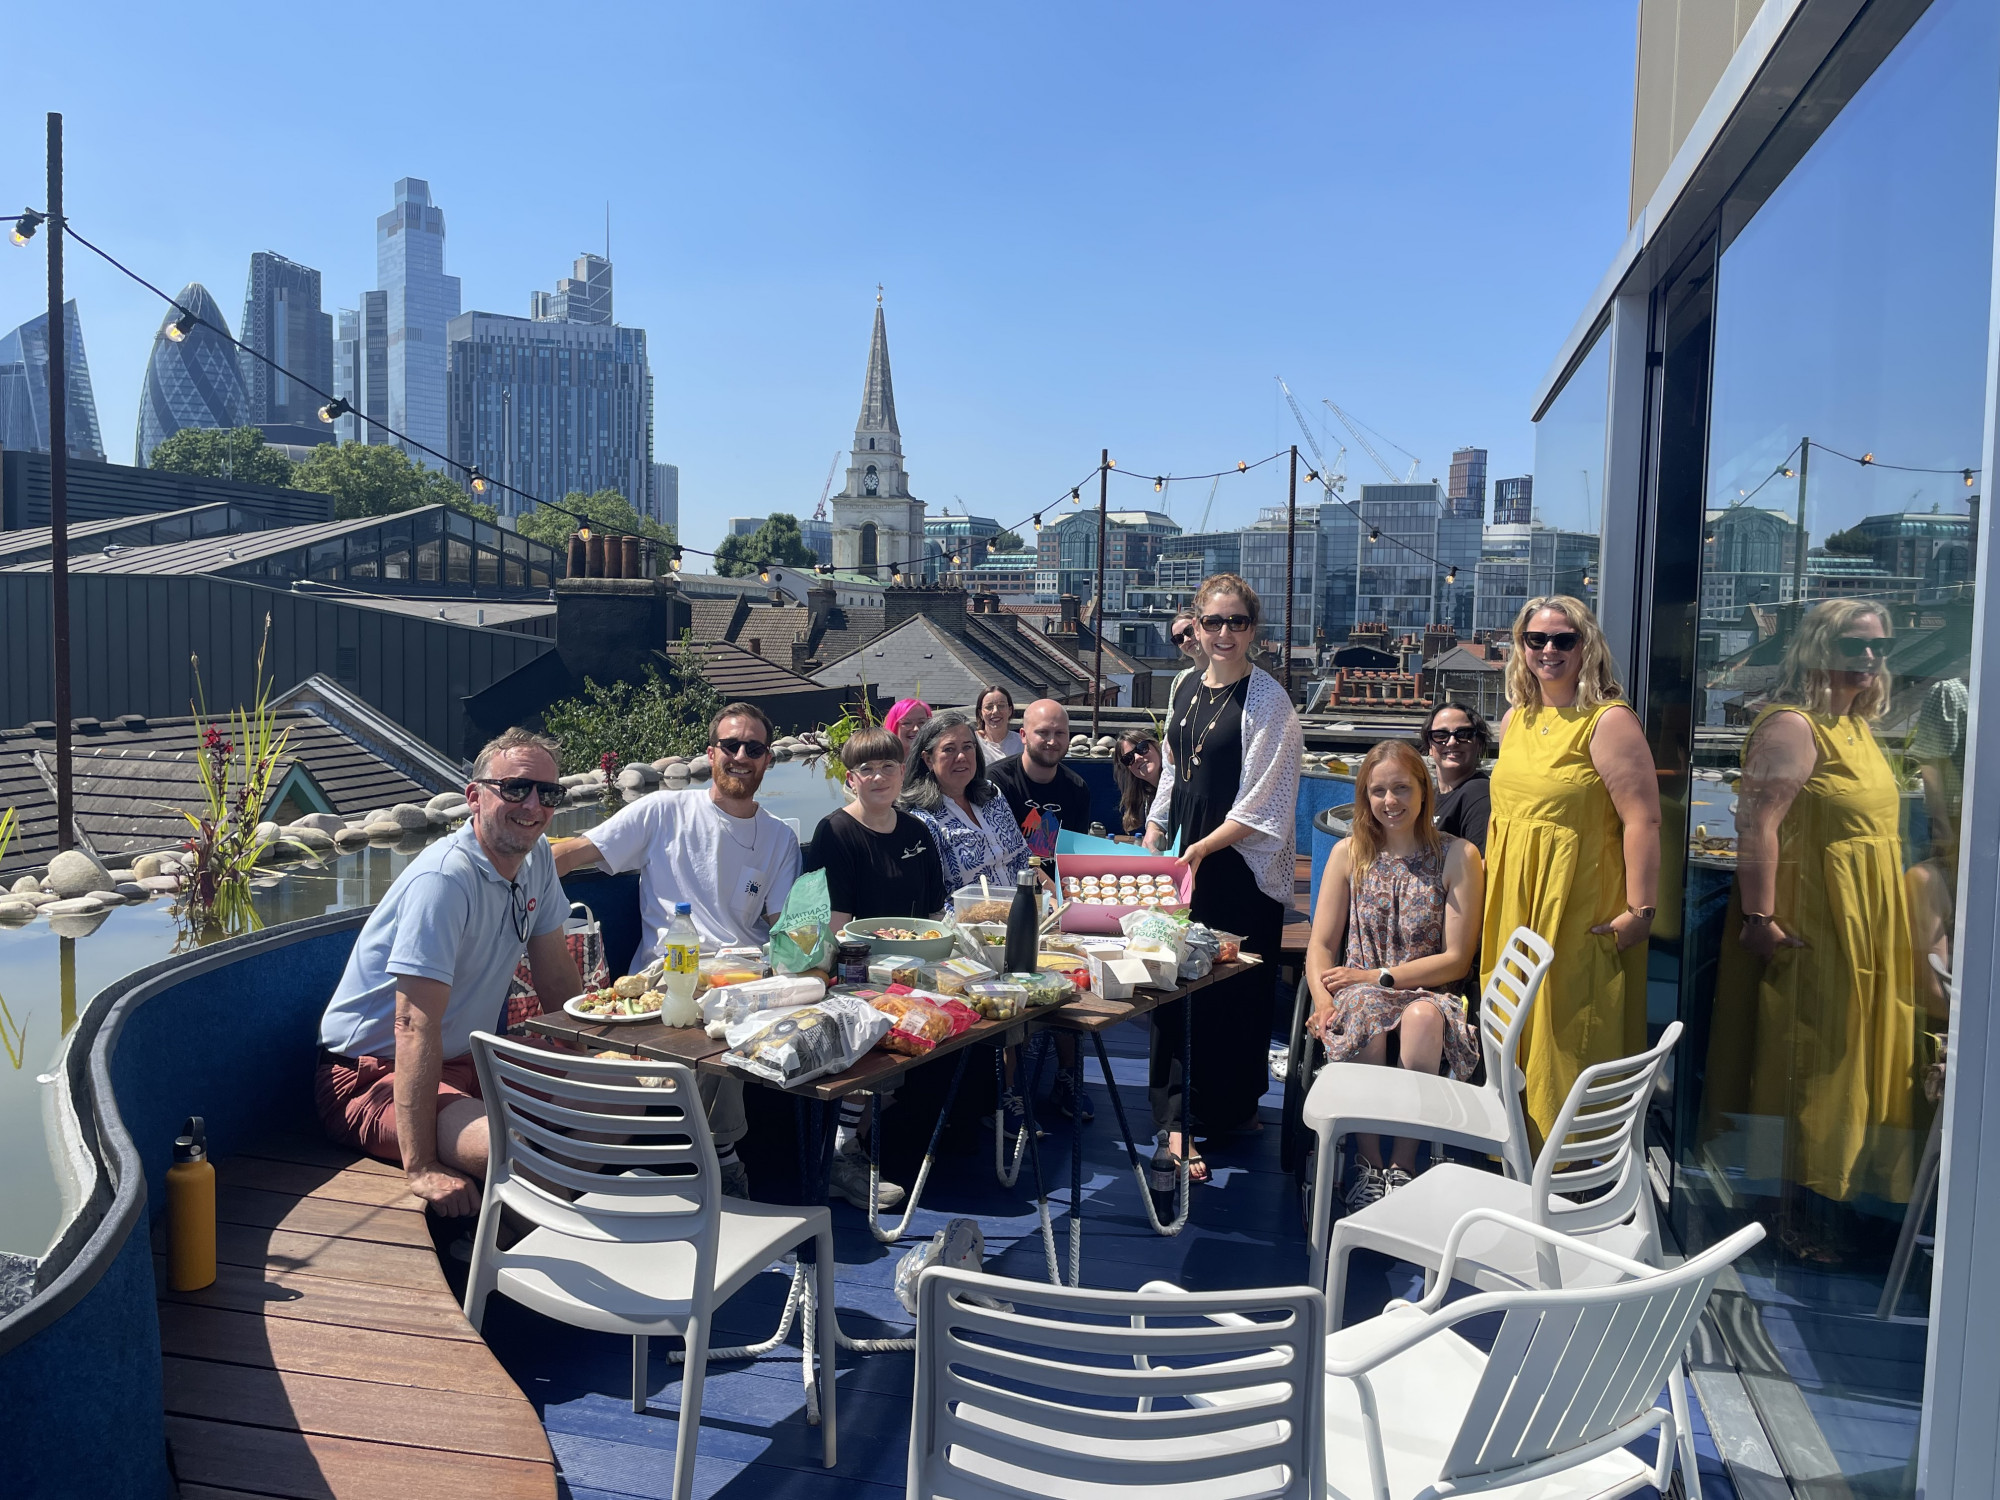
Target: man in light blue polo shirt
[(431, 967)]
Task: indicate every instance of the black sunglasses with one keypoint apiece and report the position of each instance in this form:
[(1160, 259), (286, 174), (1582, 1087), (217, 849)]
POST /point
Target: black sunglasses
[(1182, 637), (1234, 623), (514, 790), (520, 906), (1465, 734), (748, 749), (1562, 640), (1855, 646), (1134, 753)]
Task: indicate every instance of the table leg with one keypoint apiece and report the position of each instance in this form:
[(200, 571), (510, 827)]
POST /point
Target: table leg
[(1131, 1149), (1076, 1174), (890, 1236), (1041, 1187), (1007, 1173)]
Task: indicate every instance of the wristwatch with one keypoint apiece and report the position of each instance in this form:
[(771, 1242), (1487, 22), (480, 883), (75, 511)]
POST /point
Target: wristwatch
[(1757, 918), (1644, 913), (1386, 979)]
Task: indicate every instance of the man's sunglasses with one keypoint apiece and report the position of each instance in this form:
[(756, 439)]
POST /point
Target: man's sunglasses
[(748, 749), (1134, 753), (1854, 647), (1215, 624), (1465, 734), (514, 790), (1562, 640)]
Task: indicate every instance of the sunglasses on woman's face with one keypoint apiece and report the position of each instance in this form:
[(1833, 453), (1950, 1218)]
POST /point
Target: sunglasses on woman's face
[(1465, 734), (1562, 640), (514, 790), (1133, 754), (1182, 637), (1216, 624), (1854, 647)]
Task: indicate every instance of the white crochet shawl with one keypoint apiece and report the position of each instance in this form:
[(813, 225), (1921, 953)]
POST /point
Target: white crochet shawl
[(1267, 795)]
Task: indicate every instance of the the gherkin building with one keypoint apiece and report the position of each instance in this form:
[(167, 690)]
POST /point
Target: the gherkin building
[(195, 382)]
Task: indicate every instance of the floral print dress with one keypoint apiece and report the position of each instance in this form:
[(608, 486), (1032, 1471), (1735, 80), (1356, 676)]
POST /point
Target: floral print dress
[(1396, 914)]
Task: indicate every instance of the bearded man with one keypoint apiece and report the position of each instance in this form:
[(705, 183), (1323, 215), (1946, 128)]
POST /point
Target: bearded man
[(717, 850)]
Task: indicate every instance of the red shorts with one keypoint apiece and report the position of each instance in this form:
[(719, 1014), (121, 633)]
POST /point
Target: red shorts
[(357, 1102)]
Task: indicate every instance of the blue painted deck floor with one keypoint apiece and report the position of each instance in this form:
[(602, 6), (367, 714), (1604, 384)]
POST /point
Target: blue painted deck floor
[(755, 1442)]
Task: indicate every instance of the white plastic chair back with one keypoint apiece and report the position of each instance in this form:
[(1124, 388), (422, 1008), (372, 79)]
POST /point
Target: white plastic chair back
[(1576, 1371), (637, 1155), (1030, 1389), (1504, 1005), (1597, 1147)]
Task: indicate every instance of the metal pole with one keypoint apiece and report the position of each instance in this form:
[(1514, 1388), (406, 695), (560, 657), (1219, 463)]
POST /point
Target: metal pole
[(1799, 541), (1097, 669), (58, 340), (1291, 556)]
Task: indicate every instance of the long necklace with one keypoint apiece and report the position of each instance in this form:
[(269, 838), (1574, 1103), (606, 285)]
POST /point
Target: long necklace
[(1216, 705)]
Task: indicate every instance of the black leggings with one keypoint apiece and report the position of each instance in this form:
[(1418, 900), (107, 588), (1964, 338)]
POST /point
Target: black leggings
[(1232, 1019)]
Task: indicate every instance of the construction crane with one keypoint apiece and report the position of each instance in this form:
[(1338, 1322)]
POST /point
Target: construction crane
[(1354, 426), (826, 489), (1330, 474), (1211, 503)]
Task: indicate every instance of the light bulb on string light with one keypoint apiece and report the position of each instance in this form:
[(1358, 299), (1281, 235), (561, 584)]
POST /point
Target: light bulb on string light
[(1451, 575), (1038, 520), (1242, 467), (763, 575), (26, 225), (674, 560), (1158, 485), (1968, 479), (480, 484), (1374, 533), (1866, 459), (1110, 463), (584, 532), (1311, 477), (181, 327), (1076, 497), (1788, 471), (335, 409)]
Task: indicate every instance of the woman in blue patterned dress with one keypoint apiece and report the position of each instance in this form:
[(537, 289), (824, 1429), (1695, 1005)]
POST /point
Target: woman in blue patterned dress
[(1397, 923), (945, 789)]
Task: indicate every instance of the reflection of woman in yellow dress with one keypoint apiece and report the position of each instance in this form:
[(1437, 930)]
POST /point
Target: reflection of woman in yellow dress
[(1573, 849), (1816, 1016)]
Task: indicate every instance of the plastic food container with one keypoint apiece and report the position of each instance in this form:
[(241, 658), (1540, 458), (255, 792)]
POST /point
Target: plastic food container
[(973, 904), (997, 999), (1084, 915)]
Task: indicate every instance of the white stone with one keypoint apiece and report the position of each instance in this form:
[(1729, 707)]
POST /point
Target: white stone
[(76, 905), (700, 770), (161, 884), (327, 823), (132, 890), (458, 812), (78, 924), (145, 865), (409, 815), (266, 831), (26, 884), (313, 838), (351, 835), (383, 828), (379, 815), (443, 799), (16, 912), (72, 873), (631, 779)]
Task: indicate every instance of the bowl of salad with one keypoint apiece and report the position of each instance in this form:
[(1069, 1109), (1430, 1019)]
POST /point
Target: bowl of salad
[(917, 937)]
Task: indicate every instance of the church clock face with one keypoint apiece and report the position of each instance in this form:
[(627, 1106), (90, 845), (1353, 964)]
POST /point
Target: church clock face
[(871, 482)]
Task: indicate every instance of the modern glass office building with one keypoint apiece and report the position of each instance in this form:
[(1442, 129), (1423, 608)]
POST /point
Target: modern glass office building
[(1780, 407), (192, 381), (24, 388), (282, 321), (418, 301), (1519, 562)]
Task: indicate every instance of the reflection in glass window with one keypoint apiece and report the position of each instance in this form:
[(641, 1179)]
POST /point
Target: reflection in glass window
[(458, 561), (489, 568), (427, 562), (1826, 713), (514, 573), (1553, 549), (362, 548), (458, 525)]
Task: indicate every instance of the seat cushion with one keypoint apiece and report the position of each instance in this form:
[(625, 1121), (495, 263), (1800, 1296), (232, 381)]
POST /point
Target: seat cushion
[(1422, 1395), (1413, 1223), (646, 1286), (1362, 1097)]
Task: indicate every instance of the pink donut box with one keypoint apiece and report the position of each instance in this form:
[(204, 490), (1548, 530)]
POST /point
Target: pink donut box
[(1104, 919)]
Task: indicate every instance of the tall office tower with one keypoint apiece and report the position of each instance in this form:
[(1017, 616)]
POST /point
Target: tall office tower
[(421, 300), (1417, 558), (1465, 495), (24, 388), (361, 369), (667, 496), (1514, 501), (582, 298), (549, 408), (192, 381), (282, 322)]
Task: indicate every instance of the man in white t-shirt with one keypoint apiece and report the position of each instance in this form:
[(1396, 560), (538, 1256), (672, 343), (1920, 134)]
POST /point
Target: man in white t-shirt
[(717, 850)]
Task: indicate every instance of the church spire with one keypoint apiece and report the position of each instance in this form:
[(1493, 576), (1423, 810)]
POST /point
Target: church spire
[(878, 395)]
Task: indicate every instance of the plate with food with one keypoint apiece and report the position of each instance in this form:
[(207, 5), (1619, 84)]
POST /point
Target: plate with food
[(914, 936), (621, 1001)]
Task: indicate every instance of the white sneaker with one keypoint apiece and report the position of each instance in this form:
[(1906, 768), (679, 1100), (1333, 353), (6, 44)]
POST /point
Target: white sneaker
[(735, 1180), (1394, 1178), (850, 1181), (1369, 1184)]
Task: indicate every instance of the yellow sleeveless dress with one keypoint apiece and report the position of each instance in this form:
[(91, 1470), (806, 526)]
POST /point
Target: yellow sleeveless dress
[(1555, 863), (1824, 1041)]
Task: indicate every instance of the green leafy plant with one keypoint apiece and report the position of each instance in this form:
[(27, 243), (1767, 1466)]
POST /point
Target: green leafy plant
[(237, 761), (238, 453), (777, 543), (605, 508), (667, 713), (374, 479)]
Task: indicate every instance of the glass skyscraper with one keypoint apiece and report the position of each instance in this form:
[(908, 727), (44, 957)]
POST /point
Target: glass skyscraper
[(1465, 494), (282, 321), (193, 382), (24, 388), (361, 369), (1514, 501), (420, 301)]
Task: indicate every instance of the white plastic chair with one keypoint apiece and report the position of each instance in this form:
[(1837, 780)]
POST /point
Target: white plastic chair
[(1573, 1376), (1594, 1153), (1363, 1098), (648, 1246), (1037, 1390)]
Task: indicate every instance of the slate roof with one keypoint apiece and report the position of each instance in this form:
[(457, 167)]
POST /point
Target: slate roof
[(130, 780), (88, 536), (209, 554), (1459, 659), (918, 656), (736, 672)]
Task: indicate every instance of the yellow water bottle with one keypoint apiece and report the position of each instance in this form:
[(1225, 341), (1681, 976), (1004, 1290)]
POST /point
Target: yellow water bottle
[(191, 1211)]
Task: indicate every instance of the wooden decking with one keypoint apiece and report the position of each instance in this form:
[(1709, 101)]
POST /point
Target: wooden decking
[(330, 1359)]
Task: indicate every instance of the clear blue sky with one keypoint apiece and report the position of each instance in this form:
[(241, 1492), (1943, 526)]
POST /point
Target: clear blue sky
[(1097, 224)]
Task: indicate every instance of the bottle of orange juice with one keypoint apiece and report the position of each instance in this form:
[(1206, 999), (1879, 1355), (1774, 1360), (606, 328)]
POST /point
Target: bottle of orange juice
[(191, 1211)]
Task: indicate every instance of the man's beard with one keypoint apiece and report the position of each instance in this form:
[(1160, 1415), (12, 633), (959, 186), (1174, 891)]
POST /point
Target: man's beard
[(1043, 757), (504, 837), (734, 786)]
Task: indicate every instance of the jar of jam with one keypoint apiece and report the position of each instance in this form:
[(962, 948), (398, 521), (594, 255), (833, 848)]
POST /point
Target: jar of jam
[(850, 963)]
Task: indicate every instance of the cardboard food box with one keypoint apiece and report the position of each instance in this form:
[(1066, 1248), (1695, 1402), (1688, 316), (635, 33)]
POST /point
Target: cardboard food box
[(1083, 916)]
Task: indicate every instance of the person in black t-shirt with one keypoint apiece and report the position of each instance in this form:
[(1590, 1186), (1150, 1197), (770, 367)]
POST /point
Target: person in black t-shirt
[(1046, 796), (879, 861), (1457, 739)]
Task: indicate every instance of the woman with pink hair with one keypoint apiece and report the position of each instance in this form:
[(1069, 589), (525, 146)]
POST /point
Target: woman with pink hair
[(907, 719)]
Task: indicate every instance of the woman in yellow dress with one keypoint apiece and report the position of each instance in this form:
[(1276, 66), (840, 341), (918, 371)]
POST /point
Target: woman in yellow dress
[(1573, 850), (1816, 1007)]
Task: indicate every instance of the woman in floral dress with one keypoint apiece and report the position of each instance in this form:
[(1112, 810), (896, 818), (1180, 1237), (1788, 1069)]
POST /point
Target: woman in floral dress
[(1397, 923)]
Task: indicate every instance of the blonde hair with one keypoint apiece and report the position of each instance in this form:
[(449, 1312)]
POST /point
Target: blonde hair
[(1596, 679), (1805, 677), (1369, 835)]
